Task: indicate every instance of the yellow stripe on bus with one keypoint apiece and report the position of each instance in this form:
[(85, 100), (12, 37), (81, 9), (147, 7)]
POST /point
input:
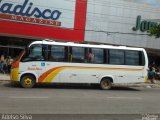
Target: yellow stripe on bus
[(55, 72), (53, 75)]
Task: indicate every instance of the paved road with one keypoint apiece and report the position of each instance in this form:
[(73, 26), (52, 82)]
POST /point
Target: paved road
[(78, 100)]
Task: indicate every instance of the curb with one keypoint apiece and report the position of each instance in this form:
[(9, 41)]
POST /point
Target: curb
[(145, 85), (3, 81)]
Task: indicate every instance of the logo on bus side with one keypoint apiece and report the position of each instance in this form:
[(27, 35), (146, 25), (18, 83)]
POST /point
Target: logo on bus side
[(43, 64), (27, 12)]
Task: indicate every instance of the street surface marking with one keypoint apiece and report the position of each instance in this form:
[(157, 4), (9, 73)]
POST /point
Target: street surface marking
[(28, 97), (130, 98)]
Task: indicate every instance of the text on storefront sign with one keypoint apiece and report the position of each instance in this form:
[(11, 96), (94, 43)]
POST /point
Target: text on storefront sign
[(27, 12), (143, 25)]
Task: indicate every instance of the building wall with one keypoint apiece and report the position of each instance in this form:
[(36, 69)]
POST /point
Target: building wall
[(39, 19), (111, 22), (107, 21)]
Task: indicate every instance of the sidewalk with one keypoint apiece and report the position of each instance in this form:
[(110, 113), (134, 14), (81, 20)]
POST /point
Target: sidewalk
[(145, 85), (4, 77)]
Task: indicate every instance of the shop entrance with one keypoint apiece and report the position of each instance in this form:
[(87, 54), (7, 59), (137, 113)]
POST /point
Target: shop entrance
[(154, 60), (154, 57), (11, 46), (10, 51)]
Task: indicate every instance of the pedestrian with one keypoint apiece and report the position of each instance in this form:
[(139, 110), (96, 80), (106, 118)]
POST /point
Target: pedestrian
[(2, 64), (9, 63), (151, 74)]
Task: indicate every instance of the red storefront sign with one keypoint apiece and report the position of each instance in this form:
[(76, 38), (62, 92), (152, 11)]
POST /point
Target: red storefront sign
[(44, 28)]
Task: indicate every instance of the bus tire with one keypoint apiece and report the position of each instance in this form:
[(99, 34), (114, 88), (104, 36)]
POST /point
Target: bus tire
[(105, 84), (27, 81)]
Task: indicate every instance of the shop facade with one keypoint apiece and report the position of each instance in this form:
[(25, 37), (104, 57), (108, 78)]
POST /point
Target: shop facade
[(30, 20), (124, 22), (115, 22)]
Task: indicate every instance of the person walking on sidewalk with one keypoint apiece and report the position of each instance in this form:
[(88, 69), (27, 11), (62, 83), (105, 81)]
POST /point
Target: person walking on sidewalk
[(151, 74), (2, 64)]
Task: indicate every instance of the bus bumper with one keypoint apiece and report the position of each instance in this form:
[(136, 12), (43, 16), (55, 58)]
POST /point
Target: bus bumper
[(14, 74)]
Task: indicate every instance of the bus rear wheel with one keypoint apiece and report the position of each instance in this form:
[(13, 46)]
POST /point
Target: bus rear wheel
[(105, 84), (27, 81)]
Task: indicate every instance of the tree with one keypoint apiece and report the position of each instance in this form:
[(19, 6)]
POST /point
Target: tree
[(155, 31)]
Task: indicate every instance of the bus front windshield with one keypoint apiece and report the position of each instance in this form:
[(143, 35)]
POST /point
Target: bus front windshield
[(34, 53)]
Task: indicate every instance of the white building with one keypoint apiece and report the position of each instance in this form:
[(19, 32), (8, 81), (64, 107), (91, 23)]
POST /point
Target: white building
[(112, 22)]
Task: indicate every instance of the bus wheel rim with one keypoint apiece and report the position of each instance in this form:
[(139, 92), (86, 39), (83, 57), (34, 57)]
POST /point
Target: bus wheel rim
[(28, 82), (105, 84)]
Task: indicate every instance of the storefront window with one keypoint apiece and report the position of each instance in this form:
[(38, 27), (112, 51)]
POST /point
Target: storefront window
[(13, 46)]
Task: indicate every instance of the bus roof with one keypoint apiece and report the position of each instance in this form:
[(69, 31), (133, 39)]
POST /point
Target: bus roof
[(47, 42)]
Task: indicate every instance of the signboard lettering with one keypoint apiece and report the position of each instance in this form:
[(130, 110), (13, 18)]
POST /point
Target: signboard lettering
[(27, 12), (143, 25)]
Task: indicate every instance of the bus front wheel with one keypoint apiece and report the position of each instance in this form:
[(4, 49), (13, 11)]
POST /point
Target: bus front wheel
[(105, 84), (27, 81)]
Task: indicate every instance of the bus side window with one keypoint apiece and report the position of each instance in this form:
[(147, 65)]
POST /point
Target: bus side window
[(57, 53), (78, 54), (132, 57), (116, 57), (90, 56), (142, 59), (97, 55)]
